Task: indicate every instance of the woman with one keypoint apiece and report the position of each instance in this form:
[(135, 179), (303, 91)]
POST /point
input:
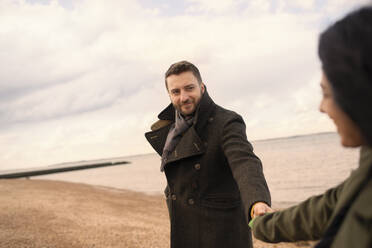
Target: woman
[(342, 216)]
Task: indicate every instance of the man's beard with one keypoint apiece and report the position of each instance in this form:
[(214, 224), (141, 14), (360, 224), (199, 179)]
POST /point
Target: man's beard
[(179, 109), (194, 103)]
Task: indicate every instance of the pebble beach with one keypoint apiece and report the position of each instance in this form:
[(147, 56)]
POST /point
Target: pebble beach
[(57, 214), (124, 206)]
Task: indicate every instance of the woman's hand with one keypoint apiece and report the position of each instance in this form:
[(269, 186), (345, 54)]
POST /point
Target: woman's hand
[(260, 208)]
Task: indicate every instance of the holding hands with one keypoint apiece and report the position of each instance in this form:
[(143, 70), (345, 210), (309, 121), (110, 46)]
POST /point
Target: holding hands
[(260, 208)]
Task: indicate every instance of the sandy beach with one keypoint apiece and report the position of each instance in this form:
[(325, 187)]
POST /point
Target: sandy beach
[(44, 213)]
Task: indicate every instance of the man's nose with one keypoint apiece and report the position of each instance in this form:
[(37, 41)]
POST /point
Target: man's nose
[(184, 96)]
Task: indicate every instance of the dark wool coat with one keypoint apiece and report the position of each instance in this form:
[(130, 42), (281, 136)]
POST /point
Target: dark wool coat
[(213, 178), (310, 219)]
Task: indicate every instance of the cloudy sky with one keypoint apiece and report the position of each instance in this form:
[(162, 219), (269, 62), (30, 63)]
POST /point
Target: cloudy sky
[(83, 79)]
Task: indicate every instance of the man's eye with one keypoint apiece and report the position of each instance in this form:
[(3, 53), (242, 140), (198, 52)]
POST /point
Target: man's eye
[(190, 88)]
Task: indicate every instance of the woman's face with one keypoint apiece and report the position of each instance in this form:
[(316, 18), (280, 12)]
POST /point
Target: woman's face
[(349, 132)]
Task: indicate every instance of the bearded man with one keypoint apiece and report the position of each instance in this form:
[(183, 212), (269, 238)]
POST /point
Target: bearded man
[(215, 183)]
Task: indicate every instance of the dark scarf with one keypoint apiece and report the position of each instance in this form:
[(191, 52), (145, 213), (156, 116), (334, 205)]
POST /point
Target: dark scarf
[(181, 125)]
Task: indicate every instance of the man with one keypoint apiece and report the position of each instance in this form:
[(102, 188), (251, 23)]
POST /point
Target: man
[(215, 181)]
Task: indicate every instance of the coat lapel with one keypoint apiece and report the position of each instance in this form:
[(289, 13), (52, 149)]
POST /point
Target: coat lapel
[(157, 138), (189, 145), (160, 129)]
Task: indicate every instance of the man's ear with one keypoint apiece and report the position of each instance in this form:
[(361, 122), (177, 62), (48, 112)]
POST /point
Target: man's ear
[(202, 88)]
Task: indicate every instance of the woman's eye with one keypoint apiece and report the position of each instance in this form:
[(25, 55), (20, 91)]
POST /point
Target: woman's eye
[(326, 95)]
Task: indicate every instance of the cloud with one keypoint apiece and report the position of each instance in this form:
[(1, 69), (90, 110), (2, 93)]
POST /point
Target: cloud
[(84, 79)]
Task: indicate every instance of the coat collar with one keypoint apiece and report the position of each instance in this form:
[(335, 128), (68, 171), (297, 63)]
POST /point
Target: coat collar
[(365, 157), (168, 113)]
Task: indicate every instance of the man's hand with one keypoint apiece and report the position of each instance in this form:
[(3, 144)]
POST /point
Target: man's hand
[(260, 208)]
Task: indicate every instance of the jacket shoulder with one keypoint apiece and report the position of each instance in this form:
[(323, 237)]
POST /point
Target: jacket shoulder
[(226, 115)]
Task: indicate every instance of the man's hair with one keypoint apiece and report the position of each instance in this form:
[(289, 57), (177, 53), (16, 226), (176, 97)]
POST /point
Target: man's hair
[(345, 50), (180, 67)]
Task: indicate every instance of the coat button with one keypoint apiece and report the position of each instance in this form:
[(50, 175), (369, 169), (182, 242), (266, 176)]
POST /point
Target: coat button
[(197, 166), (191, 201), (210, 119), (174, 197)]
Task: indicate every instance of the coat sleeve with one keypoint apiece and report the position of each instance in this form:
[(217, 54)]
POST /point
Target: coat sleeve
[(306, 221), (246, 167)]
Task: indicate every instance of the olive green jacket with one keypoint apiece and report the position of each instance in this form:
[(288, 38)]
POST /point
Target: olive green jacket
[(310, 219)]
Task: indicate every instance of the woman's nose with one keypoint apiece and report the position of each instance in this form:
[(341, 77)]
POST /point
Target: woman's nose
[(321, 106)]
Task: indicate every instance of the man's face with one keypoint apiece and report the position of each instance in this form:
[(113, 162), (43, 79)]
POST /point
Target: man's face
[(185, 92)]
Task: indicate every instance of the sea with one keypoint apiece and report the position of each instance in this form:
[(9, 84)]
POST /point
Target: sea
[(295, 168)]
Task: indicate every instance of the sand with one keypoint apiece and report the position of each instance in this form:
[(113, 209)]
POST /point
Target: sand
[(56, 214)]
